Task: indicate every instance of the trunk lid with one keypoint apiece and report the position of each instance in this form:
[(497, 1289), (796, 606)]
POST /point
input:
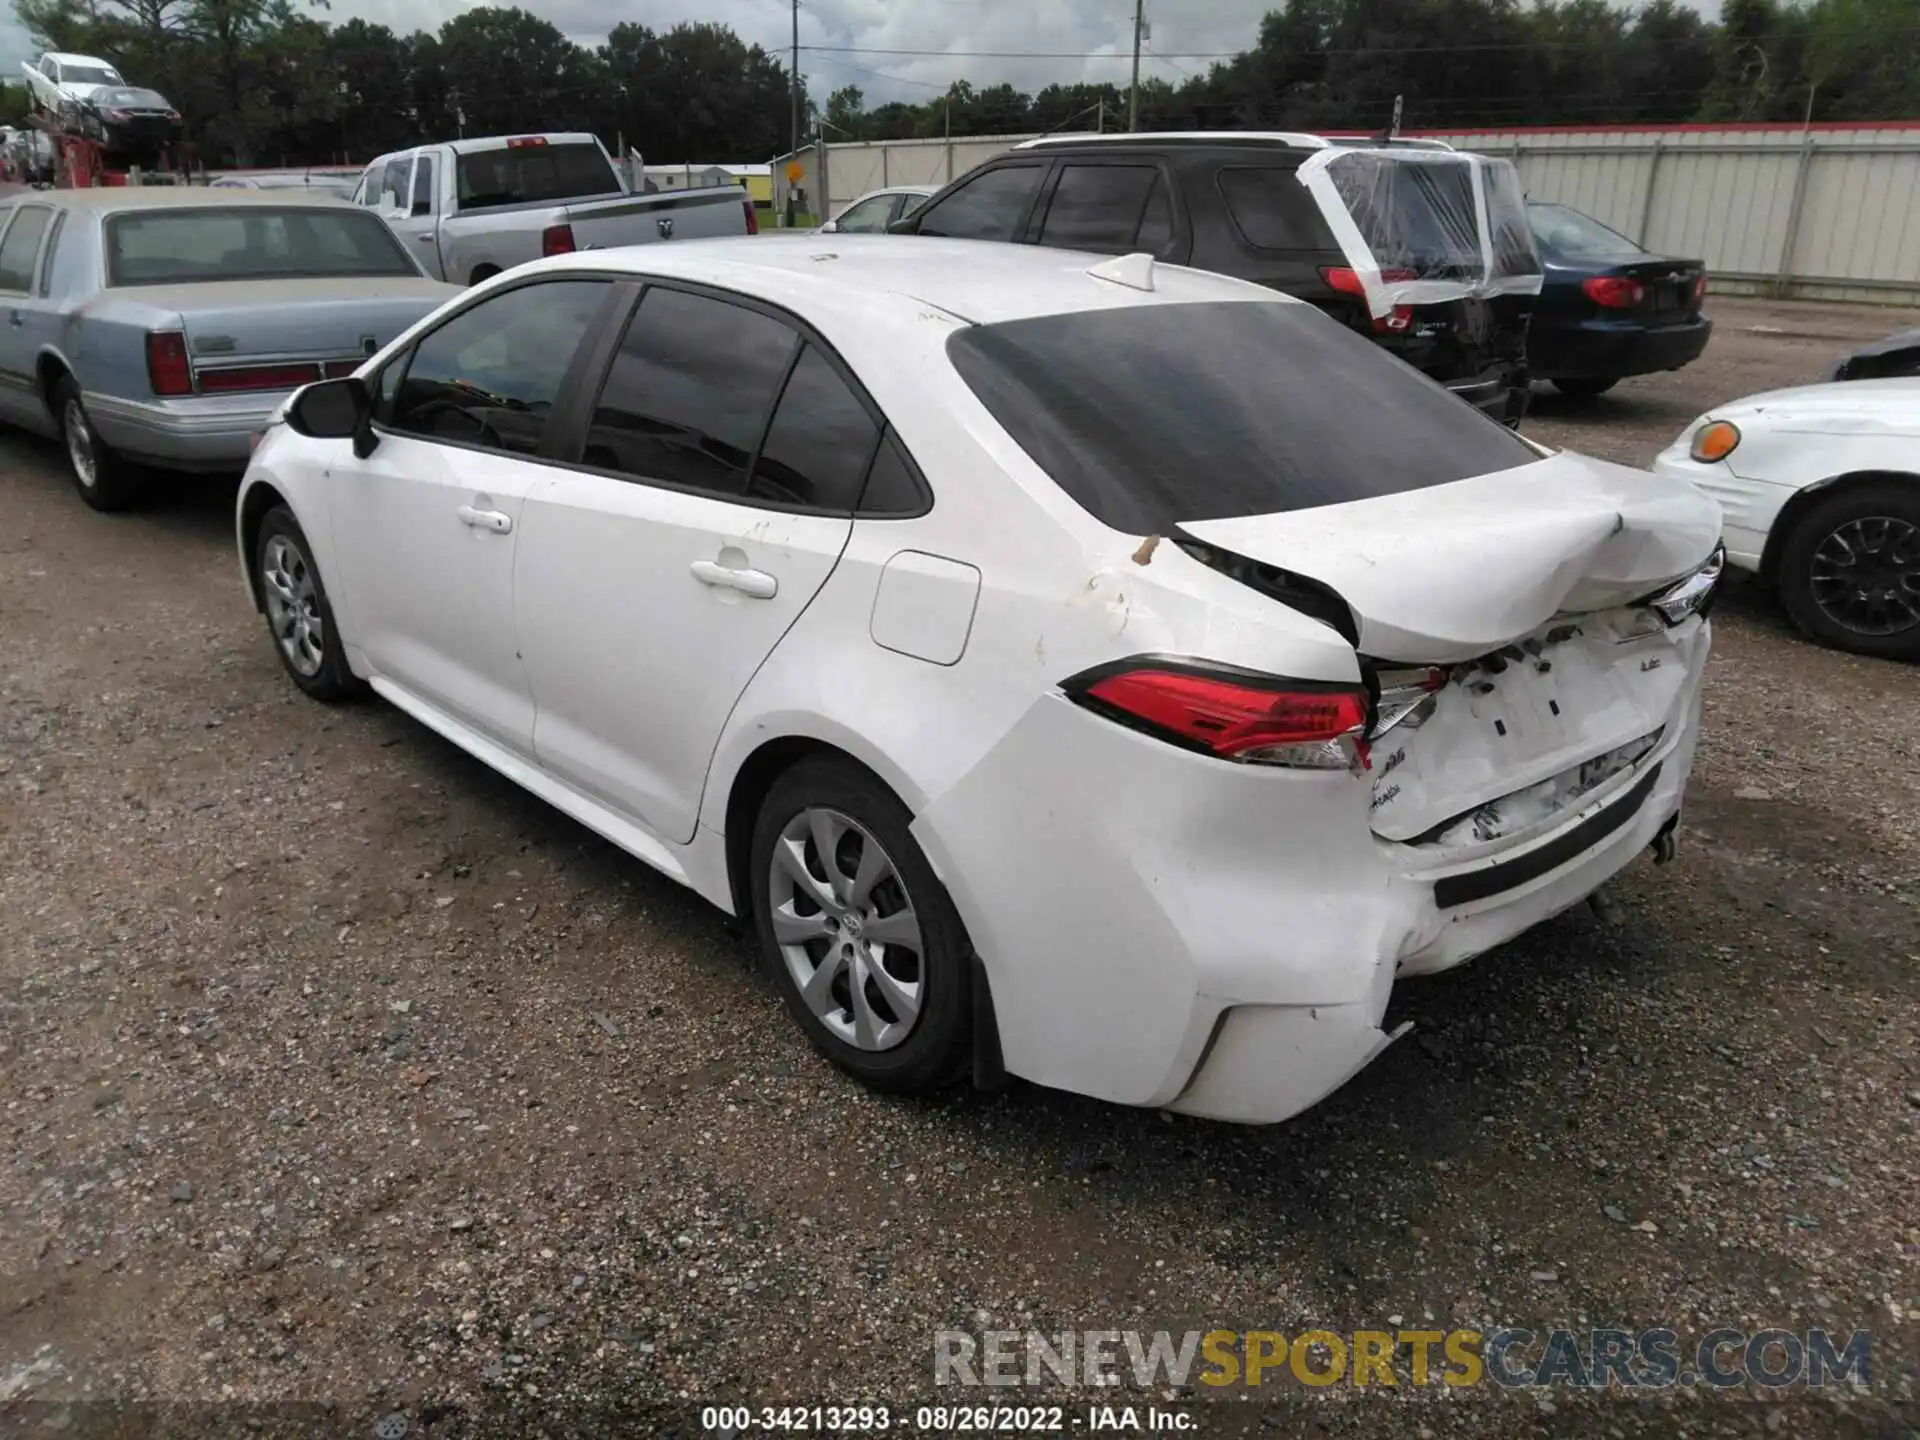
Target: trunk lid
[(317, 319), (1453, 572), (1517, 681), (1668, 285)]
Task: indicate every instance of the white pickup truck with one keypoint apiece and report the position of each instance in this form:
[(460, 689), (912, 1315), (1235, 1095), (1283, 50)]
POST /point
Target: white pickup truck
[(472, 208)]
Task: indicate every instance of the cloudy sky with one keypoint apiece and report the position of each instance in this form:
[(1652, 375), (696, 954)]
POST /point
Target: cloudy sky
[(1081, 39)]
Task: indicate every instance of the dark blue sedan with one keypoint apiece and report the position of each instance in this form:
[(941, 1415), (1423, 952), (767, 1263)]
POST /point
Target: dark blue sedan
[(1607, 308)]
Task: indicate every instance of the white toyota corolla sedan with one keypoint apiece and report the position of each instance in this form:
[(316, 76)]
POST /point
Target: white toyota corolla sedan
[(1100, 672), (1820, 490)]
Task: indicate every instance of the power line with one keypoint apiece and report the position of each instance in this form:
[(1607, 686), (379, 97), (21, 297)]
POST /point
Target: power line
[(1490, 47)]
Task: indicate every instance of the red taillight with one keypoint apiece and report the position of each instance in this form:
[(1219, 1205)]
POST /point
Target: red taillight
[(556, 240), (753, 220), (1700, 289), (1347, 282), (523, 142), (258, 377), (1253, 719), (1615, 292), (167, 369)]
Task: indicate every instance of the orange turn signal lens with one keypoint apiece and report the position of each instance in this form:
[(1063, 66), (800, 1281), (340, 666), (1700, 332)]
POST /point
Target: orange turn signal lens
[(1715, 441)]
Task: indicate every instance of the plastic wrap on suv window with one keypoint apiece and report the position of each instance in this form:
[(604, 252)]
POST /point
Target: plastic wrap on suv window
[(1421, 227)]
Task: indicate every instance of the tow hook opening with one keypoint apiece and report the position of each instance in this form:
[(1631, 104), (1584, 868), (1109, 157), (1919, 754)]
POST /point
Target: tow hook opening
[(1663, 845)]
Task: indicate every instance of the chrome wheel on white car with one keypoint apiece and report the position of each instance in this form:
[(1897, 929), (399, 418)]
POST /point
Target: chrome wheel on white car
[(299, 617), (857, 931), (846, 928), (293, 605)]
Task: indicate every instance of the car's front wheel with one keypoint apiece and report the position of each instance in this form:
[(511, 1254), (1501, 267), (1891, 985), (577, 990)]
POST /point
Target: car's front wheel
[(857, 931), (1850, 570), (299, 616), (1587, 388)]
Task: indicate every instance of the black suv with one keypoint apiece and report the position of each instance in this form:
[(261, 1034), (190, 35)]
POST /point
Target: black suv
[(1231, 203)]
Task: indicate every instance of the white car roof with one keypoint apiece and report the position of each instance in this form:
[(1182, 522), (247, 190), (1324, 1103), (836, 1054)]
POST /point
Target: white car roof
[(64, 58), (893, 277)]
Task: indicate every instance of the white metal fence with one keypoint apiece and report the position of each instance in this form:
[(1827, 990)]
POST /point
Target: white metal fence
[(1828, 212)]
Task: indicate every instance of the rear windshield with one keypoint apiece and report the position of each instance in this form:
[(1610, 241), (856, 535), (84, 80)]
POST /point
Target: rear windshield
[(72, 74), (1414, 214), (1573, 236), (525, 173), (1153, 415), (253, 242), (132, 99)]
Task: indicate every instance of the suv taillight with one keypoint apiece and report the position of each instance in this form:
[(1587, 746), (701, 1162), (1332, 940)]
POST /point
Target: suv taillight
[(167, 369), (1347, 281), (1232, 714), (557, 240), (753, 219)]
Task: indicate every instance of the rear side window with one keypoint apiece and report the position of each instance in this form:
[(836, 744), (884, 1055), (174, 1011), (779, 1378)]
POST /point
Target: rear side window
[(1104, 207), (817, 449), (22, 243), (1150, 416), (990, 206), (1272, 209), (517, 174), (686, 400)]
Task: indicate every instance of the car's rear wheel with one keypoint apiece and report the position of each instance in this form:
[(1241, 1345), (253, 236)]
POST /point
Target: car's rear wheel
[(104, 480), (299, 616), (856, 930), (1850, 570), (1585, 388)]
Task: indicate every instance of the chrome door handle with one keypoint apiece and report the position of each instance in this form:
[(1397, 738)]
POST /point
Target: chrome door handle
[(426, 239), (497, 521), (756, 583)]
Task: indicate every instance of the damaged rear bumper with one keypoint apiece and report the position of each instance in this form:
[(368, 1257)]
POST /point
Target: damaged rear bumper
[(1165, 929)]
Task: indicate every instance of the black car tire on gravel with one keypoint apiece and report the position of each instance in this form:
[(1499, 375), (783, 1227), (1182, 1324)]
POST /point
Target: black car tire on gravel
[(1586, 388), (1880, 519), (937, 1048), (294, 601), (103, 479)]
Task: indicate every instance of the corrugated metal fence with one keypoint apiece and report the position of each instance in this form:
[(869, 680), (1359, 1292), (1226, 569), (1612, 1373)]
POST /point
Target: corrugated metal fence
[(1827, 212)]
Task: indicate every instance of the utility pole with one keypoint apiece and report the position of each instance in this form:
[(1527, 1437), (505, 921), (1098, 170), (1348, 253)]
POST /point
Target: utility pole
[(1133, 94), (793, 78)]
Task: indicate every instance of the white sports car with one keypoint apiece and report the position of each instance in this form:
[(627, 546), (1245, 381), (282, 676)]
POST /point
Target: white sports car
[(1820, 487), (1105, 673)]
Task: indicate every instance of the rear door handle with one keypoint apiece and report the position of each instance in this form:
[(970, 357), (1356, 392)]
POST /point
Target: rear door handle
[(497, 521), (756, 583)]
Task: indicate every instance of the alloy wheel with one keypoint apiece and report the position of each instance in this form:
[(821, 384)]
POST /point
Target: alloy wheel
[(293, 605), (86, 465), (847, 929), (1865, 575)]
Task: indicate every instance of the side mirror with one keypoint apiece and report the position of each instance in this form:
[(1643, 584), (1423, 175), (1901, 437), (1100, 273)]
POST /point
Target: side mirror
[(335, 410), (832, 227)]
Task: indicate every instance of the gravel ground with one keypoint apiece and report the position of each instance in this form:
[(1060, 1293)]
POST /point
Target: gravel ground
[(337, 1070)]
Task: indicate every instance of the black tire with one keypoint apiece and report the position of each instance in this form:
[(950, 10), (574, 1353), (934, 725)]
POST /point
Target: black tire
[(103, 479), (282, 550), (937, 1048), (1585, 388), (1857, 508), (480, 273)]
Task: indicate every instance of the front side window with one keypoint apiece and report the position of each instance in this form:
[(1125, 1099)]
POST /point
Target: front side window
[(250, 242), (490, 375), (394, 184), (991, 206), (1155, 416), (423, 185), (686, 399), (868, 217), (21, 244), (1102, 207)]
